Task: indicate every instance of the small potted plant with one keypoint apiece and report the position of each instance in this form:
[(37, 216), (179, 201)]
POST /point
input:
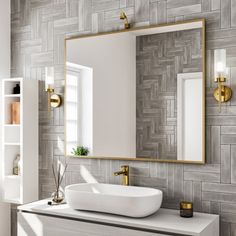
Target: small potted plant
[(80, 151)]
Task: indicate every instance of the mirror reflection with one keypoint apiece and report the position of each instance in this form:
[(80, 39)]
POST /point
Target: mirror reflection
[(137, 94)]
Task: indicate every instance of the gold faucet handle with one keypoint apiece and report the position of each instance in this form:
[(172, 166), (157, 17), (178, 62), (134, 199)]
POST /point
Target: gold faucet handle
[(122, 15), (125, 168)]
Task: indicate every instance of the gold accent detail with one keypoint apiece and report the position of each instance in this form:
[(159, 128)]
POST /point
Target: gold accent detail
[(223, 94), (203, 21), (203, 161), (124, 17), (49, 91), (220, 79), (125, 172), (186, 205), (55, 100)]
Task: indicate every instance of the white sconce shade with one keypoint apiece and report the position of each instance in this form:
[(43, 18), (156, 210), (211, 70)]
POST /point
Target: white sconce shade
[(222, 93), (220, 62), (54, 100), (49, 78)]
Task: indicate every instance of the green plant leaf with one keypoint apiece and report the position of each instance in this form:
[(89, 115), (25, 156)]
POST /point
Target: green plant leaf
[(80, 151)]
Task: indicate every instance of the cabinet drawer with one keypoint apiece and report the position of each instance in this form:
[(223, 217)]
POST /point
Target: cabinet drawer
[(40, 225)]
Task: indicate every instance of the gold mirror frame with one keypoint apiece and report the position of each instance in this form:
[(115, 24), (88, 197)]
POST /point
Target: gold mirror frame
[(203, 21)]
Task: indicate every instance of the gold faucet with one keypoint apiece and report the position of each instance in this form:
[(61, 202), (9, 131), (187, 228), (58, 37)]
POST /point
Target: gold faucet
[(125, 18), (125, 172)]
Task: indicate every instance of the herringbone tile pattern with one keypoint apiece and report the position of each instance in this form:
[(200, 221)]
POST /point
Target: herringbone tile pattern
[(159, 59), (38, 31)]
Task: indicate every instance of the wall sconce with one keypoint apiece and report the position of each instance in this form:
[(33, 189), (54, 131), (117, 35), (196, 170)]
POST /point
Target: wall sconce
[(54, 100), (222, 93)]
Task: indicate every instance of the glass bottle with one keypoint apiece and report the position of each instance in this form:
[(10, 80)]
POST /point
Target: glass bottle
[(16, 165), (16, 89)]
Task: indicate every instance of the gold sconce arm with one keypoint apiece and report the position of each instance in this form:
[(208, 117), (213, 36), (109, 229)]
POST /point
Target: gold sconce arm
[(222, 93), (54, 100), (49, 91)]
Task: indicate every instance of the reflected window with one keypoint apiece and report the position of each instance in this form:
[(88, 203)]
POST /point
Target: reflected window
[(78, 107)]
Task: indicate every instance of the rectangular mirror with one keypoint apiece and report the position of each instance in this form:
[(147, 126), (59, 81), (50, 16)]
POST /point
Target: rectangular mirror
[(137, 94)]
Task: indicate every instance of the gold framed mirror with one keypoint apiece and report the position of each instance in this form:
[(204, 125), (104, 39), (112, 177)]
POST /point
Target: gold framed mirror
[(137, 94)]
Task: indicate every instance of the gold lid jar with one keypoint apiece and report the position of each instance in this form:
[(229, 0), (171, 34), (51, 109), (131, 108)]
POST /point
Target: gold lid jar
[(186, 209)]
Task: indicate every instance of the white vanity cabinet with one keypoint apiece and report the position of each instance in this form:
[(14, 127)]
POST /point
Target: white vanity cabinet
[(50, 226), (39, 219)]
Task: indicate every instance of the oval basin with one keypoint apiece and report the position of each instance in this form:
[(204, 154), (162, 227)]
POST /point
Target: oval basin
[(115, 199)]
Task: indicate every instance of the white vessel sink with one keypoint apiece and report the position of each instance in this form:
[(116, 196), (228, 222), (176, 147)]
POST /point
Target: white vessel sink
[(115, 199)]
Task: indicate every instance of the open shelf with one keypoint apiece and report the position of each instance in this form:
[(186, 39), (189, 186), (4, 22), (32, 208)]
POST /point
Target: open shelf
[(9, 86), (13, 200), (20, 137), (12, 125), (12, 95), (12, 134), (7, 107), (13, 80), (12, 188), (12, 144), (12, 177), (11, 151)]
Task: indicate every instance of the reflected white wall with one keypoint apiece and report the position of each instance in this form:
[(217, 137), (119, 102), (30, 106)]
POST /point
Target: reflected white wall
[(189, 116), (113, 60)]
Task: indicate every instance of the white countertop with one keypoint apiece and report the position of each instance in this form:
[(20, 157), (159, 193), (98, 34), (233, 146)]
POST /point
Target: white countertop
[(164, 220)]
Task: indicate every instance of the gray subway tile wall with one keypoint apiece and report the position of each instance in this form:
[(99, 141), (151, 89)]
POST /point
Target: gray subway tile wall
[(39, 28)]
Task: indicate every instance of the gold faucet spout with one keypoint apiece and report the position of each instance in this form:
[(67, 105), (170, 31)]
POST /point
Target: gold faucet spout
[(125, 172), (119, 173)]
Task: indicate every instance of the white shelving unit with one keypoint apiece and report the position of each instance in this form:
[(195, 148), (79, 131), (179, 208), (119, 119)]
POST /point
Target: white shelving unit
[(20, 139)]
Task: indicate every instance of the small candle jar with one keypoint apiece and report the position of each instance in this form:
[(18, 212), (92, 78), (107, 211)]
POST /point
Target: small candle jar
[(186, 209)]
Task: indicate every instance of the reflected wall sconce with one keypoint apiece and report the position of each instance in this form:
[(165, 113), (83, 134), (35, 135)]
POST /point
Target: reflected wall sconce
[(54, 100), (222, 93), (125, 18)]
